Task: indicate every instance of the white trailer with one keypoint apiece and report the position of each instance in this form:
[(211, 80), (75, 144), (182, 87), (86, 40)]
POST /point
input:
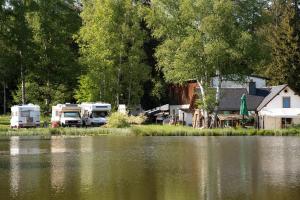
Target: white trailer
[(25, 116), (66, 115), (95, 114)]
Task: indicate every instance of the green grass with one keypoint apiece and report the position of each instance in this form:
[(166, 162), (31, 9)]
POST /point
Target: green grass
[(139, 130), (157, 130), (147, 130), (65, 132)]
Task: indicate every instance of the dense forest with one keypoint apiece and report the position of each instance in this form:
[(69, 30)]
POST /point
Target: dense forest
[(128, 51)]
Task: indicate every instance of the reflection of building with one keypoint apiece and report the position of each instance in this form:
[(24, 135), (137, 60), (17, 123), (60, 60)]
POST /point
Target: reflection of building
[(58, 161)]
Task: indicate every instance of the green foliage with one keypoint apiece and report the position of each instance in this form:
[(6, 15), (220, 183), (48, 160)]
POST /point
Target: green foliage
[(137, 120), (158, 89), (283, 41), (210, 100), (118, 120), (44, 96), (36, 39), (111, 41), (201, 37)]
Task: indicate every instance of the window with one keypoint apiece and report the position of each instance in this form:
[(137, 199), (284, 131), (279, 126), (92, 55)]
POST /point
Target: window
[(97, 114), (72, 114), (286, 102), (25, 113), (286, 122)]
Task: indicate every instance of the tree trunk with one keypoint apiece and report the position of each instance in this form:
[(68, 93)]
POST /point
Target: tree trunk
[(119, 73), (4, 97), (218, 97), (203, 95), (23, 85), (129, 88)]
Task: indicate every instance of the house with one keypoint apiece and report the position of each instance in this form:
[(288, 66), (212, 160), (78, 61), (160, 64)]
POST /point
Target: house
[(177, 109), (269, 107), (280, 109)]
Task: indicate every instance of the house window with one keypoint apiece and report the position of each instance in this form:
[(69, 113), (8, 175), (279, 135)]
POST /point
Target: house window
[(286, 122), (286, 102)]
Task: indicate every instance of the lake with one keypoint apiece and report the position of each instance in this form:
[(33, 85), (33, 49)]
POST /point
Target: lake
[(150, 168)]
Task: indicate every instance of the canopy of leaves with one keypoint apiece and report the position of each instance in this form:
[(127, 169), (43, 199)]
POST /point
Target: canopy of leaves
[(201, 37), (111, 41)]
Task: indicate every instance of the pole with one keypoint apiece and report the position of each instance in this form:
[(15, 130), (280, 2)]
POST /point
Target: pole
[(243, 124)]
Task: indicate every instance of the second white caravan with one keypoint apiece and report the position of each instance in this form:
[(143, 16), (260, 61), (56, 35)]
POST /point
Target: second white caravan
[(95, 114), (66, 115)]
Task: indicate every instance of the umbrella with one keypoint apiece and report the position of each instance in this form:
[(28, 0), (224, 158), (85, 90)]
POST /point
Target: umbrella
[(243, 107)]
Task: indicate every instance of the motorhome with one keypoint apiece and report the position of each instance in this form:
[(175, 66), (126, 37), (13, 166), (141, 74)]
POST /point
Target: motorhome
[(25, 116), (95, 114), (66, 115)]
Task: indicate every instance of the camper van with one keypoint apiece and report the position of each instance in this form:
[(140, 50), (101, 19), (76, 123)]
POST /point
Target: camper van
[(25, 116), (95, 114), (66, 115)]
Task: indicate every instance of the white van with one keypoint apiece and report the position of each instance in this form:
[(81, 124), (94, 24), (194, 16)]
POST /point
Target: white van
[(95, 114), (25, 116), (66, 115)]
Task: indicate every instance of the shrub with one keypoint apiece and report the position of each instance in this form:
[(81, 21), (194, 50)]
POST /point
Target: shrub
[(138, 120), (118, 120)]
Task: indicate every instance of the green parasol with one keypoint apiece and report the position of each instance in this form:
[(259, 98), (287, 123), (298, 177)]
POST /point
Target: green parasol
[(243, 107)]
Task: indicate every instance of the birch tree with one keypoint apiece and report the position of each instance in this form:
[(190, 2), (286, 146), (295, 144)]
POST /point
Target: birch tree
[(201, 39), (111, 41)]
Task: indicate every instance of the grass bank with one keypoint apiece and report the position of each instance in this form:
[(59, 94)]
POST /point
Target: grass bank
[(146, 130), (157, 130), (66, 132)]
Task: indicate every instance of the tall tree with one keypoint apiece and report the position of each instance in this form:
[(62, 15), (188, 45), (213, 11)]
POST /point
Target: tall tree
[(53, 24), (111, 41), (18, 40), (203, 38), (283, 40)]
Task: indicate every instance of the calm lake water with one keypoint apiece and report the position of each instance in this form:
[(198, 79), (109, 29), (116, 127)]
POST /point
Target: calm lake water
[(150, 168)]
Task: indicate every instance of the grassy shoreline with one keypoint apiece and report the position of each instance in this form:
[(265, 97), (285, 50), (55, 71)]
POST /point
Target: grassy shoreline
[(146, 130), (138, 130)]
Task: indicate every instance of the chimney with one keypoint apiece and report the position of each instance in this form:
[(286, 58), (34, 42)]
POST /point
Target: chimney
[(251, 88)]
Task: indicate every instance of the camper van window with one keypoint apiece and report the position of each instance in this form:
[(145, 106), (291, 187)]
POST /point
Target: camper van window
[(25, 113), (97, 114), (71, 114)]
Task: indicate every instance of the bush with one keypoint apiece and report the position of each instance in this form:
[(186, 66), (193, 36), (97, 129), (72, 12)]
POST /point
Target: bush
[(138, 120), (118, 120)]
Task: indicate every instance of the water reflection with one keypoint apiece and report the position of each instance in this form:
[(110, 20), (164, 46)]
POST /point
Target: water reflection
[(14, 166), (58, 168), (160, 168)]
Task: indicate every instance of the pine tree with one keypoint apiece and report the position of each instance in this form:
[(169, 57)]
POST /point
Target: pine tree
[(283, 41)]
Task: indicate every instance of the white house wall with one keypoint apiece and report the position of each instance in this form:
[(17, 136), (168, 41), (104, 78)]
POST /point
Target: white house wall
[(174, 109), (260, 83), (277, 102), (188, 117), (271, 123)]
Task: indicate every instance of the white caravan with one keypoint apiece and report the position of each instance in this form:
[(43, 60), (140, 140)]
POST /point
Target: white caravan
[(95, 114), (66, 115), (25, 116)]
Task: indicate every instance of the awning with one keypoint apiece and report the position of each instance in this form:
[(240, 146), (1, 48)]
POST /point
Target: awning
[(281, 112), (223, 117)]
